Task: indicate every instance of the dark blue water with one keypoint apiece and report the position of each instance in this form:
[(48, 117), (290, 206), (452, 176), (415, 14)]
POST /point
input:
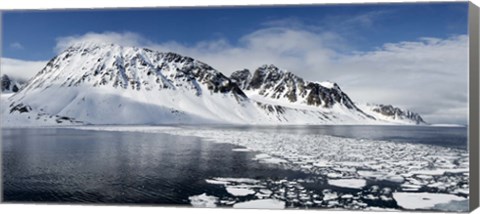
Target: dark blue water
[(69, 165)]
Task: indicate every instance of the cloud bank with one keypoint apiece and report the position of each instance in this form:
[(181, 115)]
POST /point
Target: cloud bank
[(20, 69), (428, 76)]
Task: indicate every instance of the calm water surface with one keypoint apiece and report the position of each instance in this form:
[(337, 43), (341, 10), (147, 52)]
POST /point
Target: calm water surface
[(55, 165)]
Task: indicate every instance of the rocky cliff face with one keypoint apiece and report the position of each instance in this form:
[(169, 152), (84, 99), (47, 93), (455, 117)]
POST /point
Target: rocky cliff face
[(275, 84), (10, 85), (395, 113)]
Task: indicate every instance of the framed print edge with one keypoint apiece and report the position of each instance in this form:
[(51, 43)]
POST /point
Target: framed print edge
[(474, 105)]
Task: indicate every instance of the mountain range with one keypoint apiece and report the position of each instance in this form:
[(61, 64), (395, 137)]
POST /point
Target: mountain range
[(110, 84)]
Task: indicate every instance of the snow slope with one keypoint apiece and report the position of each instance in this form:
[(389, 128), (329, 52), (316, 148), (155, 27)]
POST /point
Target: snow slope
[(18, 116)]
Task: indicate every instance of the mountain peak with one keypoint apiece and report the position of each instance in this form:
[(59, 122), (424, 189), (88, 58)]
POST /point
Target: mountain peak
[(391, 112), (269, 67), (89, 45), (329, 84), (278, 85), (88, 64)]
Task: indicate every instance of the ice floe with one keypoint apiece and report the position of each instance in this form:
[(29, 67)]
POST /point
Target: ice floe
[(348, 183), (264, 158), (261, 204), (241, 150), (238, 180), (203, 200), (237, 191), (381, 176), (212, 181), (424, 201)]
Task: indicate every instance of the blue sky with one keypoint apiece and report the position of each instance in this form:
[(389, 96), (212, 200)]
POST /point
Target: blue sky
[(413, 56), (31, 35)]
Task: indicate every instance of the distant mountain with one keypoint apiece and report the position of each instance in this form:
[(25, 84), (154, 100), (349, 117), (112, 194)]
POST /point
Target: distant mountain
[(392, 113), (10, 85), (110, 84)]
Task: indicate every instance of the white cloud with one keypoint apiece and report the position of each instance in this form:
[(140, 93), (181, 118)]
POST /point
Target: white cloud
[(17, 46), (126, 39), (21, 69), (286, 48), (428, 75)]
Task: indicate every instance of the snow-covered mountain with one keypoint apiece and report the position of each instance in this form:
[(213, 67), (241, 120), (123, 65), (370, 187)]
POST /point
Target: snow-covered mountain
[(392, 113), (270, 84), (10, 85), (111, 84)]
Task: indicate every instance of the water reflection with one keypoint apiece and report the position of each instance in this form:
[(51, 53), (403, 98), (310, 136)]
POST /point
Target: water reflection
[(54, 165)]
